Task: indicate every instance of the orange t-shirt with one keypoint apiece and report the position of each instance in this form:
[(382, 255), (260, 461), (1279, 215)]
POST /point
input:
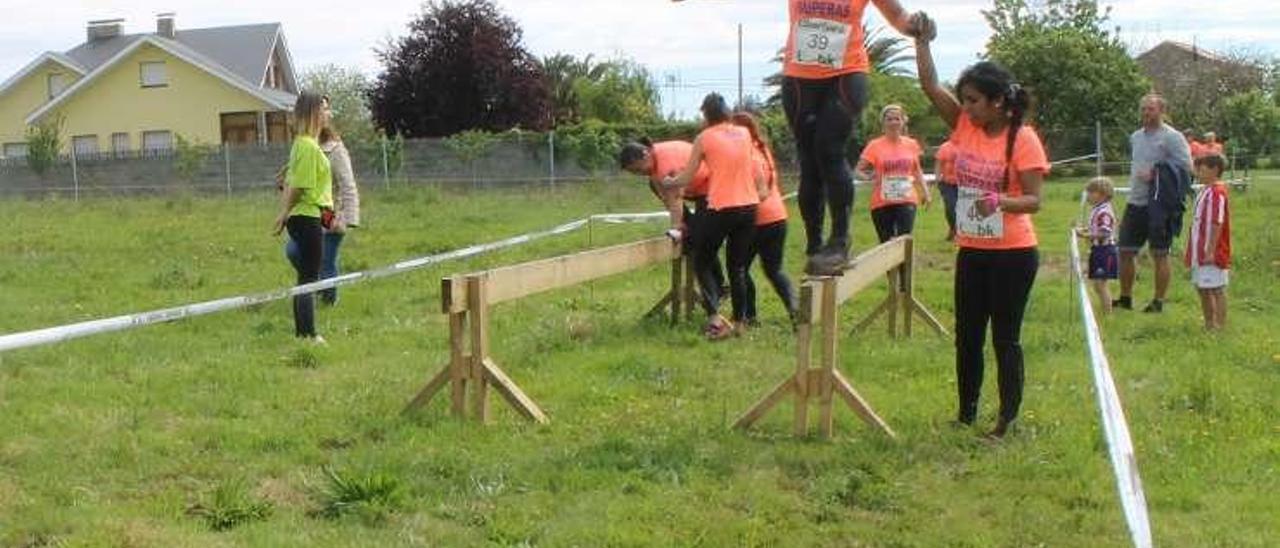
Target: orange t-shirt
[(726, 150), (980, 169), (670, 158), (895, 164), (825, 39), (771, 208), (946, 159)]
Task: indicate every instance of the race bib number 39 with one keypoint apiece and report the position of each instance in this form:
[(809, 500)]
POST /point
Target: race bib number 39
[(821, 42), (969, 220), (896, 189)]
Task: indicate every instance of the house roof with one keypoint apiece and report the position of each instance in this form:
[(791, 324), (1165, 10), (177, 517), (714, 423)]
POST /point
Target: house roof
[(245, 50), (1189, 49), (104, 54), (37, 63)]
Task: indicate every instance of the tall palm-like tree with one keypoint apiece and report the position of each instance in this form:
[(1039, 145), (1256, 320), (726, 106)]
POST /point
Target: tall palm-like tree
[(561, 71), (888, 55)]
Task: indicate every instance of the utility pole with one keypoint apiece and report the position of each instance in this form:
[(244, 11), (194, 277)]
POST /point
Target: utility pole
[(740, 97)]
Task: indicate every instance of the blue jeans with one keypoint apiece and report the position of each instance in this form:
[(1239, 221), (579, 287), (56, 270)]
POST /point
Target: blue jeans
[(328, 261)]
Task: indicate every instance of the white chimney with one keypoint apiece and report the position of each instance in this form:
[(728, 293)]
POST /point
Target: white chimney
[(164, 25), (103, 29)]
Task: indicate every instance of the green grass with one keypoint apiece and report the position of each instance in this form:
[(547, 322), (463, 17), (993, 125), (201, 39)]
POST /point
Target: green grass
[(114, 440)]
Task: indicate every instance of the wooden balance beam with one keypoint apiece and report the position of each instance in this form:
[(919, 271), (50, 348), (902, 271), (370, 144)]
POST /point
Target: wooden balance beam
[(467, 298), (820, 299)]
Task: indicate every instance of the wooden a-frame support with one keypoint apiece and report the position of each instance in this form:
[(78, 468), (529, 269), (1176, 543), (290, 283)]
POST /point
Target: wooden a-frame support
[(820, 298), (471, 370)]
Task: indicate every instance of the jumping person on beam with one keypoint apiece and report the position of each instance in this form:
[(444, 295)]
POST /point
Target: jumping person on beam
[(824, 90), (1000, 166), (657, 161), (732, 197)]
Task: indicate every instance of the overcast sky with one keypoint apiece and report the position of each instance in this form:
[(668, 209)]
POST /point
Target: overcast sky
[(691, 47)]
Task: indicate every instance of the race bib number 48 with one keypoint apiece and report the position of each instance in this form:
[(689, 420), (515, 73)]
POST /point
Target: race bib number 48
[(821, 42), (896, 189), (969, 219)]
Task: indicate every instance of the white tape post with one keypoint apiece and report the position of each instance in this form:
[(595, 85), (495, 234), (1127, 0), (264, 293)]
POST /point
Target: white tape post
[(93, 327), (1124, 462)]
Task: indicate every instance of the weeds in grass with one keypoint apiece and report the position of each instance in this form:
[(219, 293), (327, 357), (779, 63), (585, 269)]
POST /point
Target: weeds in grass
[(231, 506), (302, 358), (372, 496)]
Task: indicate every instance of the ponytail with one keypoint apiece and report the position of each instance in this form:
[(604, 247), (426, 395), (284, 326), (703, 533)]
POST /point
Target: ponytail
[(1017, 101)]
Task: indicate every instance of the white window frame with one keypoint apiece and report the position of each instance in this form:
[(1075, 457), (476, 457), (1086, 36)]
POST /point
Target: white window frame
[(14, 150), (116, 139), (157, 77), (147, 144), (85, 145), (61, 79)]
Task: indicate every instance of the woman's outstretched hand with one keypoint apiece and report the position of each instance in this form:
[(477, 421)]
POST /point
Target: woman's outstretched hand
[(923, 27)]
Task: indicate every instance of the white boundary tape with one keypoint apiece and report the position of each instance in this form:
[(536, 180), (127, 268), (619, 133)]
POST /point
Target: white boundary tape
[(83, 329), (1119, 444)]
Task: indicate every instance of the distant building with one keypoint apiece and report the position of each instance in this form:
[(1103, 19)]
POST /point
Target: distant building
[(1172, 65), (120, 93)]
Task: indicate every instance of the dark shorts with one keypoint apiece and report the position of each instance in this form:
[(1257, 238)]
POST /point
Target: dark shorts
[(1104, 262), (1136, 231)]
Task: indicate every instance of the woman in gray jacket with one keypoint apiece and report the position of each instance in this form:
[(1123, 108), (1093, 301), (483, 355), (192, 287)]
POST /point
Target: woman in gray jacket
[(346, 208)]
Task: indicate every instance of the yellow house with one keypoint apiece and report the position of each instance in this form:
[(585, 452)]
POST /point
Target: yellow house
[(121, 94)]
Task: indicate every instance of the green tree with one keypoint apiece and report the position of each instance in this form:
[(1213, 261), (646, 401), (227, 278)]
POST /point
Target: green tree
[(44, 144), (1076, 68), (348, 91), (617, 91), (191, 157), (1252, 120)]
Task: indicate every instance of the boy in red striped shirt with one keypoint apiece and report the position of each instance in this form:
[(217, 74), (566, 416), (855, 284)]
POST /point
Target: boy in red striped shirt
[(1209, 244)]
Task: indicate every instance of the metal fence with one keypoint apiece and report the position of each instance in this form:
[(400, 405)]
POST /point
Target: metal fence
[(493, 161)]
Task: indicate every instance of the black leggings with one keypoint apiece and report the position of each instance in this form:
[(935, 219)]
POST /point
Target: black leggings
[(306, 232), (769, 243), (893, 221), (693, 220), (950, 193), (738, 225), (994, 286), (823, 115)]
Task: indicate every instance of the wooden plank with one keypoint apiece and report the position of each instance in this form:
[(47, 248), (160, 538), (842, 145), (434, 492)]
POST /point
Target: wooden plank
[(810, 311), (804, 355), (828, 353), (459, 363), (522, 403), (660, 306), (429, 391), (865, 269), (860, 405), (516, 281), (929, 318), (767, 403), (690, 290), (476, 294), (453, 295), (907, 294), (677, 275), (892, 311), (874, 315)]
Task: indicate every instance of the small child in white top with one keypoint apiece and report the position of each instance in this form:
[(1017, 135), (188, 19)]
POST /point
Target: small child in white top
[(1104, 258)]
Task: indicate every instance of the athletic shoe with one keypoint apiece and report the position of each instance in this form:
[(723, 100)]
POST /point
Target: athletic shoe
[(718, 329), (830, 261), (1125, 303), (1154, 307), (318, 341)]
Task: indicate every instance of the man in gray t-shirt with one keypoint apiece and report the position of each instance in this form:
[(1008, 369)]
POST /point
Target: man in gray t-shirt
[(1154, 142)]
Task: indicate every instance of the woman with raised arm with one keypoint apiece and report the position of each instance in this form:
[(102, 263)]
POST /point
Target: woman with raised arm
[(824, 90), (1000, 165)]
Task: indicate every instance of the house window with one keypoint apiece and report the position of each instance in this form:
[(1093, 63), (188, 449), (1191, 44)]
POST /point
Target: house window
[(15, 150), (85, 145), (277, 127), (240, 127), (120, 144), (157, 141), (154, 75), (57, 84)]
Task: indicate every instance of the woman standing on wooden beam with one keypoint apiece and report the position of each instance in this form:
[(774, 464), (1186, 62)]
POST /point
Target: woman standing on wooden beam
[(1000, 165), (824, 90)]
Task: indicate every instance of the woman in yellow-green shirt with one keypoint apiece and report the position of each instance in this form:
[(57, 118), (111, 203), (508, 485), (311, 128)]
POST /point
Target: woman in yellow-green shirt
[(307, 197)]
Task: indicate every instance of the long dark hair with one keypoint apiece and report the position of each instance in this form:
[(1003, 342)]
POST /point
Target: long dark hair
[(996, 82), (634, 151), (758, 139), (715, 109)]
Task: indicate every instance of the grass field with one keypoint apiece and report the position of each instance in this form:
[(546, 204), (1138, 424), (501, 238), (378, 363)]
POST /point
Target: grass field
[(223, 431)]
